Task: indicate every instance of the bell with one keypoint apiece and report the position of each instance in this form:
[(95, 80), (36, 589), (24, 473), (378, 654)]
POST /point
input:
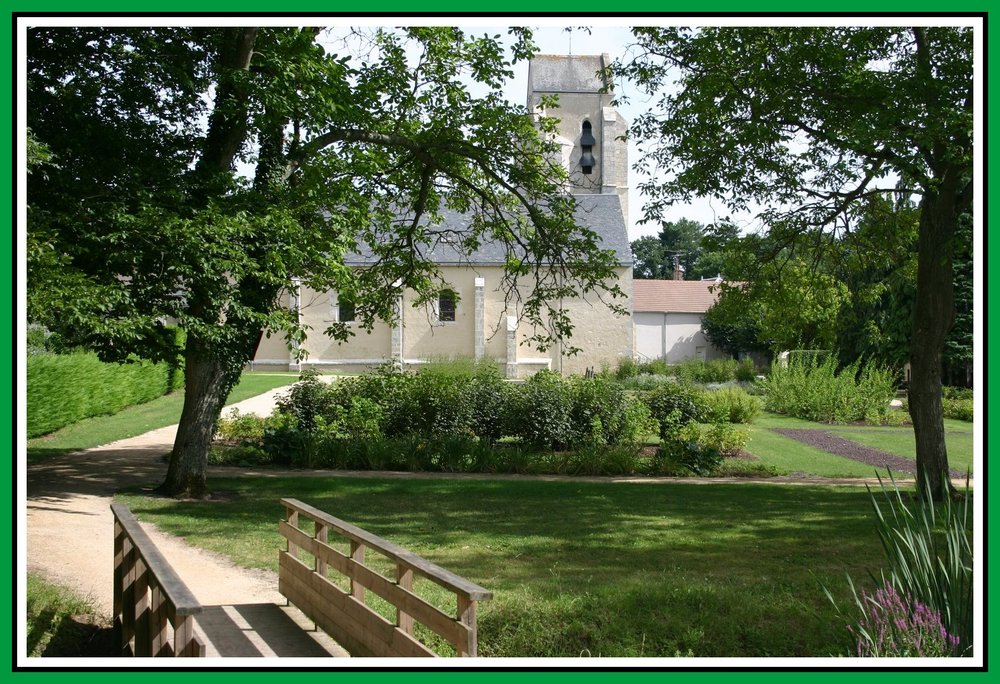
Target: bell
[(587, 161), (587, 139)]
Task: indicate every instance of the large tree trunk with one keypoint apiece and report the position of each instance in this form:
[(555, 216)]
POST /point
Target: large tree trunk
[(933, 316), (207, 384)]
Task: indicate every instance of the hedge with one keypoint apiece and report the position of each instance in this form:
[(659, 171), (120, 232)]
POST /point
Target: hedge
[(66, 388)]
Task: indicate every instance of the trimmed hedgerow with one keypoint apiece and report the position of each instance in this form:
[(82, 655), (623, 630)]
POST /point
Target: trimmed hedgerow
[(65, 388)]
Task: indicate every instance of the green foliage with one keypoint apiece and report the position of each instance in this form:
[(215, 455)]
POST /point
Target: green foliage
[(686, 451), (875, 111), (818, 392), (732, 405), (64, 389), (542, 414), (231, 145), (675, 405), (683, 240), (627, 368)]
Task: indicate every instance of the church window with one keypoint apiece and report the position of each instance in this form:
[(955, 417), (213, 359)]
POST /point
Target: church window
[(446, 306), (587, 142)]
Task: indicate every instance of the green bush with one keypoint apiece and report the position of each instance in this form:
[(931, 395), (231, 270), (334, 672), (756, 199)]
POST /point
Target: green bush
[(308, 400), (726, 439), (239, 427), (627, 368), (958, 409), (541, 414), (65, 388), (732, 405), (603, 413), (746, 371), (491, 398), (684, 451), (818, 392), (672, 402), (964, 393)]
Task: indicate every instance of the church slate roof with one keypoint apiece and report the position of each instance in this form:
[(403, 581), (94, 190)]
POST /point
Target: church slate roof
[(600, 213)]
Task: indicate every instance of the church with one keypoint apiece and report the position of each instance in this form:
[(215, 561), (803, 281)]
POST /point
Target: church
[(471, 319)]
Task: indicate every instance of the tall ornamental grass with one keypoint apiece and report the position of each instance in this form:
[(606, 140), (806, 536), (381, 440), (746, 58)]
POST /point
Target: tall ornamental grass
[(923, 604), (817, 391)]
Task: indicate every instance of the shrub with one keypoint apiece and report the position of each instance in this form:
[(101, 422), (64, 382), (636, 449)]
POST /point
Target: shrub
[(491, 398), (728, 440), (719, 370), (627, 368), (682, 452), (541, 415), (743, 467), (746, 371), (655, 367), (957, 409), (672, 402), (603, 413), (240, 427), (66, 388), (307, 400), (820, 393), (732, 405), (964, 393)]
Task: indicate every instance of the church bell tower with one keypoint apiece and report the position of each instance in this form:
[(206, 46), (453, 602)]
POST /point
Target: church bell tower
[(589, 128)]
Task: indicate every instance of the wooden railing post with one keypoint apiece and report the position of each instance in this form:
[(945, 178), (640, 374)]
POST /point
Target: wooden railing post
[(358, 556), (119, 580), (292, 518), (404, 578), (467, 616), (141, 607), (322, 533), (149, 597)]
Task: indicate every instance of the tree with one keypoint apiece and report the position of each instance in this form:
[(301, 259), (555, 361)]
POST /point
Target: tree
[(809, 122), (202, 170), (693, 246)]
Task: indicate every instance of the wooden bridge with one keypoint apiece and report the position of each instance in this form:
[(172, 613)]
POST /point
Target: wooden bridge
[(339, 604)]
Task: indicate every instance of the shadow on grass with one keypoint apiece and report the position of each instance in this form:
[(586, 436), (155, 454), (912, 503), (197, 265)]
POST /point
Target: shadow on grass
[(593, 568)]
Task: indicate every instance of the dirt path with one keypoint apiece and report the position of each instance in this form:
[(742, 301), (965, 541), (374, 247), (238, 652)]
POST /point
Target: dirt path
[(69, 524), (838, 446)]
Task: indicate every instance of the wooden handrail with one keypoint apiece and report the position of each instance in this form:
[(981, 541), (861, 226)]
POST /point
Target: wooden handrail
[(153, 608), (344, 614)]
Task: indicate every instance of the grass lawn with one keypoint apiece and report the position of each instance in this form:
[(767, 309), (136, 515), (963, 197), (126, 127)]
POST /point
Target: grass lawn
[(60, 623), (135, 420), (793, 456), (590, 568)]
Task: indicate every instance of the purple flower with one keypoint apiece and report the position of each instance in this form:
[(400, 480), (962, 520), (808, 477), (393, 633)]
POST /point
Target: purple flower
[(896, 626)]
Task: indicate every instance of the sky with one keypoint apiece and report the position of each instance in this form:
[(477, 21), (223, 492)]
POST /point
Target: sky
[(553, 38), (613, 40)]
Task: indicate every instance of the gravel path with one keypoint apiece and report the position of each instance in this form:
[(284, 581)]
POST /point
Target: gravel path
[(830, 443), (70, 527)]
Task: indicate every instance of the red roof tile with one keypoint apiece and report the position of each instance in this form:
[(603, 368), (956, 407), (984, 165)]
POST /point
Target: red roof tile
[(674, 296)]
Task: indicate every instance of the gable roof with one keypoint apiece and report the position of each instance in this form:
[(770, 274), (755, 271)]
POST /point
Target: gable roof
[(674, 296), (600, 213)]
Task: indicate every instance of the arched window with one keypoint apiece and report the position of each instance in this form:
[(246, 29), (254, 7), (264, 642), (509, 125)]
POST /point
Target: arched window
[(587, 142)]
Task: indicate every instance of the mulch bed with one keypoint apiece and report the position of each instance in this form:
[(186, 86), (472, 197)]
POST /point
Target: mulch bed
[(822, 439)]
